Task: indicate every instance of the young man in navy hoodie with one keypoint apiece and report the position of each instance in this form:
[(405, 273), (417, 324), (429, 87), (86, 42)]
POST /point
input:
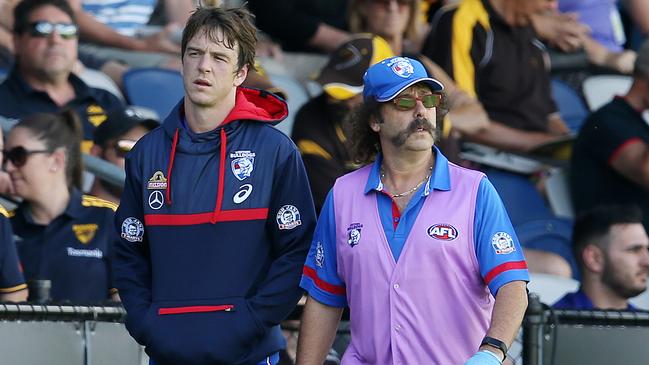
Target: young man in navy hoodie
[(216, 216)]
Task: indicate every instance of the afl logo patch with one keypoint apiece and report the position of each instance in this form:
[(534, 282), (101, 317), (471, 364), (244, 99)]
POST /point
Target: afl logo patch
[(444, 232), (354, 234), (503, 243), (288, 217), (132, 230)]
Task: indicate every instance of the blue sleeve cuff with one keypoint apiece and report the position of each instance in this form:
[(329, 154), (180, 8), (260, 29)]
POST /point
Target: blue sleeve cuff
[(320, 295), (508, 277)]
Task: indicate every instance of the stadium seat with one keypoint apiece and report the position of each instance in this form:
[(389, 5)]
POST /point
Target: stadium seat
[(557, 189), (551, 235), (571, 106), (600, 89), (522, 201), (154, 88), (295, 93), (100, 80), (551, 288)]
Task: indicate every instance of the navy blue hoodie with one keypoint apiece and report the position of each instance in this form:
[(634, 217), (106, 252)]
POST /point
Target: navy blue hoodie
[(215, 229)]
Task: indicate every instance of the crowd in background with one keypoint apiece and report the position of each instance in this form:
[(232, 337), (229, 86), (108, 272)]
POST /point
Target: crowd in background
[(496, 59)]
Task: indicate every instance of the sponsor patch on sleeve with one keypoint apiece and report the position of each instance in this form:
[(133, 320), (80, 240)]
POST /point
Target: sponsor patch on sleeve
[(132, 230), (288, 217), (502, 243), (319, 255)]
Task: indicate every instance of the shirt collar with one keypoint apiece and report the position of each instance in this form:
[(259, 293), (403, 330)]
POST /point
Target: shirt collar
[(439, 180), (81, 89), (583, 298), (75, 207), (73, 210)]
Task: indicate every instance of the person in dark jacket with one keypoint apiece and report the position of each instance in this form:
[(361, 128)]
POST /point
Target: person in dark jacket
[(216, 216)]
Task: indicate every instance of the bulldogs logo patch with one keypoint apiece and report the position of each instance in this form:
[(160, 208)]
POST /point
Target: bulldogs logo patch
[(401, 67), (354, 234), (243, 162), (503, 243), (288, 217)]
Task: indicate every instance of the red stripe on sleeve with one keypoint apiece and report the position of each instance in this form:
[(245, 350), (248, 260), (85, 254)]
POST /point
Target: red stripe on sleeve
[(330, 288), (514, 265)]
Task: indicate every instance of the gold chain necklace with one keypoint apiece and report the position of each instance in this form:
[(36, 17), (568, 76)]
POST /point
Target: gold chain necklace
[(406, 193)]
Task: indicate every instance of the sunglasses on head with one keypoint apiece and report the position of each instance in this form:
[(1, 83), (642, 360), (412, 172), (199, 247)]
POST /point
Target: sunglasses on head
[(45, 29), (18, 155), (410, 102)]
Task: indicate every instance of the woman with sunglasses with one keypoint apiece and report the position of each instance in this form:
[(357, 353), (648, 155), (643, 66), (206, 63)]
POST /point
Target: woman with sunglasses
[(400, 23), (63, 236)]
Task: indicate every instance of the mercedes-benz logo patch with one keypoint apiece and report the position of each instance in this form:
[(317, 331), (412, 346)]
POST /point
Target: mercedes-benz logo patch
[(156, 200)]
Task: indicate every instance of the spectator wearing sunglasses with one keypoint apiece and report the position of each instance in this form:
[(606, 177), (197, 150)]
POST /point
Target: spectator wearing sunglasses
[(420, 250), (62, 235), (46, 35), (113, 140)]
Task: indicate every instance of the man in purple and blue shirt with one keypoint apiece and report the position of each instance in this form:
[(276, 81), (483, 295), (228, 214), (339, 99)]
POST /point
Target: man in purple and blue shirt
[(421, 250), (611, 246)]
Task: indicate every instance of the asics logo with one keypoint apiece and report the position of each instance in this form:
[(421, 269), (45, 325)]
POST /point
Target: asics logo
[(242, 194)]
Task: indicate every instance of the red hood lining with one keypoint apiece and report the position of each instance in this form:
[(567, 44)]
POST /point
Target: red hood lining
[(257, 105)]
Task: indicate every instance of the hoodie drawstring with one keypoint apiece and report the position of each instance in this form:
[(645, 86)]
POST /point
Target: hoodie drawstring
[(219, 194), (172, 155)]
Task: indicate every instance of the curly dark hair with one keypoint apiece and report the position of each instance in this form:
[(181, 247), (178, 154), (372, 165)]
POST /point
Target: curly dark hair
[(364, 143)]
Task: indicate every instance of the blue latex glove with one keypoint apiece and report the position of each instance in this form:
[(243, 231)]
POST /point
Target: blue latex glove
[(484, 357)]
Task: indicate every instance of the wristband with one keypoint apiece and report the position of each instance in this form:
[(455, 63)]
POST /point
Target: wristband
[(493, 355), (494, 342)]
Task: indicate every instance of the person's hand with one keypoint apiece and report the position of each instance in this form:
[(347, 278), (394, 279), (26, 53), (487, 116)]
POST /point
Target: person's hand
[(484, 357), (561, 30), (557, 126), (624, 61)]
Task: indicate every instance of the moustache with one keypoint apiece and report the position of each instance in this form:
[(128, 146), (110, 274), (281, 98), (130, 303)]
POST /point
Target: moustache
[(413, 127), (420, 123)]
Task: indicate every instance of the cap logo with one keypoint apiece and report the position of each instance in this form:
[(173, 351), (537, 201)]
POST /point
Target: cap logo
[(401, 67)]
